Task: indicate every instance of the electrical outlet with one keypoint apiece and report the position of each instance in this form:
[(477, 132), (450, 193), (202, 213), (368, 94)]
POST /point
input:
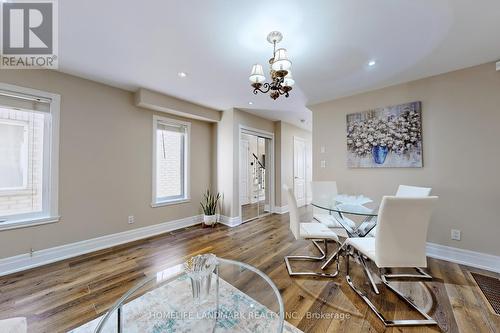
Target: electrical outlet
[(131, 219), (455, 234), (323, 164)]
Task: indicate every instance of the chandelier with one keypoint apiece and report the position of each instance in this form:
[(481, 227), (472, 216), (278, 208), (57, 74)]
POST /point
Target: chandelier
[(281, 76)]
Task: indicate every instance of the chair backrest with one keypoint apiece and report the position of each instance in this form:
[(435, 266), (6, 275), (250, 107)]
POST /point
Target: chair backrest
[(323, 191), (293, 211), (402, 231), (413, 191)]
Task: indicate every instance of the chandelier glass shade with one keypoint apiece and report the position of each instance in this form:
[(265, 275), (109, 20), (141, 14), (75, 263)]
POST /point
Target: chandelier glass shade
[(281, 62), (257, 75), (288, 80), (279, 71)]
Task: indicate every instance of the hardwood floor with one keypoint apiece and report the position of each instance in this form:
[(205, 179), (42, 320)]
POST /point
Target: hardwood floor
[(253, 210), (64, 295)]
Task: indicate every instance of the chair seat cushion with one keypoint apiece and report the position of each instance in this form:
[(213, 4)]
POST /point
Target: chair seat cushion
[(331, 222), (365, 245), (340, 232), (316, 230), (327, 220)]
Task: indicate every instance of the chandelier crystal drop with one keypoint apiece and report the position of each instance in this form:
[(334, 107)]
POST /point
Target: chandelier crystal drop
[(279, 71)]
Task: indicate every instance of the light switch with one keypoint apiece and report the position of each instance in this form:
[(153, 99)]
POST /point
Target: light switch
[(323, 164), (322, 149)]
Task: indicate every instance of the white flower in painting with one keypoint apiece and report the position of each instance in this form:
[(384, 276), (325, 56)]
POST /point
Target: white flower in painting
[(399, 133)]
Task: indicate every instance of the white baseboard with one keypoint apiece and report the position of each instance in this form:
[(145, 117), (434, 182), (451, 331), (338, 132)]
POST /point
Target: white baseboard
[(281, 210), (230, 221), (465, 257), (46, 256)]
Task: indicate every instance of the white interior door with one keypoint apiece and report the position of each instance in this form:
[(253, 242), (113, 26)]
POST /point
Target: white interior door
[(299, 170), (244, 172)]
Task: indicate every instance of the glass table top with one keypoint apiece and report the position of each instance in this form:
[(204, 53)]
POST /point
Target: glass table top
[(228, 296), (347, 204)]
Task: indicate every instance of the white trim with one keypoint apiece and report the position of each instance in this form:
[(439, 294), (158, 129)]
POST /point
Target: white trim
[(28, 223), (51, 174), (170, 202), (46, 256), (230, 221), (256, 131), (302, 202), (464, 257), (187, 162), (281, 210), (264, 134), (247, 198)]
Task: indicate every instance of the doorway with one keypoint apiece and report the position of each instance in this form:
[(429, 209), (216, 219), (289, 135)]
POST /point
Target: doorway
[(299, 170), (255, 184)]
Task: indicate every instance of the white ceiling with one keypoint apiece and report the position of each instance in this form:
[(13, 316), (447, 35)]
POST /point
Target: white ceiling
[(132, 44)]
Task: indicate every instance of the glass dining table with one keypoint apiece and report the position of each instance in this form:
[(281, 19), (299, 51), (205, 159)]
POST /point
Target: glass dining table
[(357, 215)]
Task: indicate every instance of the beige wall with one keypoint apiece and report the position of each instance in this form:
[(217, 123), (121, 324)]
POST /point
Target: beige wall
[(284, 173), (225, 162), (105, 164), (461, 137)]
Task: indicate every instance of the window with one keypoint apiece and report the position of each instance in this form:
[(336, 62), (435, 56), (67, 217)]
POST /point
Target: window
[(28, 156), (170, 161)]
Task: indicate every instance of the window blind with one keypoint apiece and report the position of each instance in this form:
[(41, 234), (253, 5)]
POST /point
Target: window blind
[(172, 127), (15, 100)]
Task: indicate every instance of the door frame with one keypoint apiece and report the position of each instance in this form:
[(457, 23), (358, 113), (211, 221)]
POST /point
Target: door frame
[(247, 194), (263, 134), (298, 138)]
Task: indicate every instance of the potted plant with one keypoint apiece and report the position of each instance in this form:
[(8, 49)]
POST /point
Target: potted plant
[(209, 206)]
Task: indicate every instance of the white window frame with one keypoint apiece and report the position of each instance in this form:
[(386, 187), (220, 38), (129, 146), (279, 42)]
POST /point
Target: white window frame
[(24, 125), (187, 168), (50, 214)]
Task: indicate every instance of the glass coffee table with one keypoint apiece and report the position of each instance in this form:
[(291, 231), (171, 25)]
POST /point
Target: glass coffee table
[(229, 296)]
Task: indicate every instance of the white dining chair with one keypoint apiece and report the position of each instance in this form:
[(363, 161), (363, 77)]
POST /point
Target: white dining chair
[(310, 230), (413, 191), (400, 242), (324, 192), (407, 191)]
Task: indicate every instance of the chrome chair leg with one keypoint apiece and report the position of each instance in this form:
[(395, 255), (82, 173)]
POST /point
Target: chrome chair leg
[(368, 274), (334, 256), (311, 258), (422, 275), (404, 322)]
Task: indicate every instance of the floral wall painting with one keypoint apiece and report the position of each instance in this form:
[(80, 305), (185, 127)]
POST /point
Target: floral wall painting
[(389, 137)]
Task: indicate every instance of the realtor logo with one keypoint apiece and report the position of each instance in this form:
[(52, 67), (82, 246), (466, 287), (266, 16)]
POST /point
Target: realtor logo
[(29, 34)]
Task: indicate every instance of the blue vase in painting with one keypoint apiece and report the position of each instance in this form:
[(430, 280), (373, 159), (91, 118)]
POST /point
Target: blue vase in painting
[(379, 154)]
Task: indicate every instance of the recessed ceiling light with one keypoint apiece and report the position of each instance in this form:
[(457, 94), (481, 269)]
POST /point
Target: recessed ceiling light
[(250, 103), (372, 63), (182, 74)]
